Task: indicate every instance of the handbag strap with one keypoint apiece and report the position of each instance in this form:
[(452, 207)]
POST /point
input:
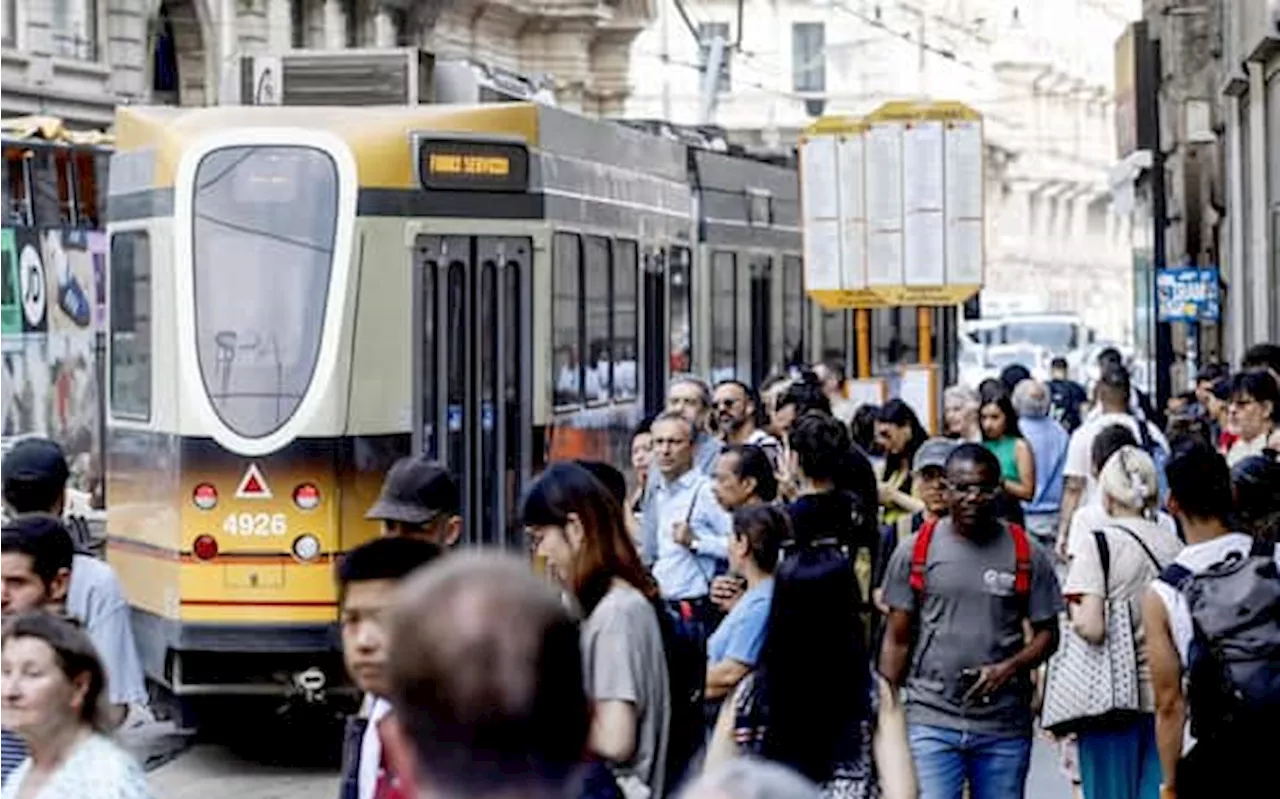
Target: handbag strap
[(1104, 557), (1146, 549)]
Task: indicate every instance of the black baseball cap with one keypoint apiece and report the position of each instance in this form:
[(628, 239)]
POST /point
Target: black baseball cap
[(35, 460), (416, 491)]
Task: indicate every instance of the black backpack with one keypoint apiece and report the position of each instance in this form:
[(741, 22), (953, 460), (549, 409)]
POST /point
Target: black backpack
[(1233, 685), (684, 640)]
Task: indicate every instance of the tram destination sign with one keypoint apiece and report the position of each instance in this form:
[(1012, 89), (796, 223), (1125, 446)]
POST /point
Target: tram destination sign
[(470, 165)]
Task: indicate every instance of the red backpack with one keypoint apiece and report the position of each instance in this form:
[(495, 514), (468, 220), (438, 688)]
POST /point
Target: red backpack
[(1021, 551)]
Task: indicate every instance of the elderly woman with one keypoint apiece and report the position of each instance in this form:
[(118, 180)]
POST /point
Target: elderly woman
[(52, 697), (960, 406), (1048, 441)]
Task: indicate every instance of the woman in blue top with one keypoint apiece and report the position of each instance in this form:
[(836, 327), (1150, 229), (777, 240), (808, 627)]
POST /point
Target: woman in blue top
[(734, 648)]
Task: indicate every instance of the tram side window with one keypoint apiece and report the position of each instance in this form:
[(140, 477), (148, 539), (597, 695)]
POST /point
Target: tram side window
[(131, 325), (793, 312), (566, 293), (724, 316), (680, 307), (835, 335), (597, 271), (626, 347)]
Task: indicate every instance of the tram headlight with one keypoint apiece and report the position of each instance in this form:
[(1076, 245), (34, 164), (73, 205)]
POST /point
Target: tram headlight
[(306, 547)]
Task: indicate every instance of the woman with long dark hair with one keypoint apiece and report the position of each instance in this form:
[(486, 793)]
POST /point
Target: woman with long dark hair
[(575, 523), (1001, 435), (899, 434)]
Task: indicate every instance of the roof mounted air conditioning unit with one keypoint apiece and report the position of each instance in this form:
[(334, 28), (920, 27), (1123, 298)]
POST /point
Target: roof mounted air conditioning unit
[(400, 76)]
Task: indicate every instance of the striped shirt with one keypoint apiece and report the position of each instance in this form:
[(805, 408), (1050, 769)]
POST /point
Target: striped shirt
[(12, 752)]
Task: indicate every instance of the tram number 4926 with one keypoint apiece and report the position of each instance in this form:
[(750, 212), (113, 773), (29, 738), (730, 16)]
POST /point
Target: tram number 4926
[(255, 524)]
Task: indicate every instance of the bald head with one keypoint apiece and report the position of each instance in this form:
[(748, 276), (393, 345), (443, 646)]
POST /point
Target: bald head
[(1031, 399), (485, 667), (747, 778)]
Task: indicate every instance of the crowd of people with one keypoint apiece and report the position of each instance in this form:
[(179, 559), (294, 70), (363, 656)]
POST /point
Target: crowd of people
[(791, 596)]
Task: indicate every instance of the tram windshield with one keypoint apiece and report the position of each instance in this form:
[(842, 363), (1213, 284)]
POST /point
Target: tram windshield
[(263, 239), (1058, 337)]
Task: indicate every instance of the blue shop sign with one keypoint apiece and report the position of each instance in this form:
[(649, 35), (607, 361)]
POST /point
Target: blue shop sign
[(1188, 294)]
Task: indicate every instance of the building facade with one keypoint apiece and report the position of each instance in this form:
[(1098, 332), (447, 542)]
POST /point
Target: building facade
[(1039, 72), (78, 58), (1250, 112)]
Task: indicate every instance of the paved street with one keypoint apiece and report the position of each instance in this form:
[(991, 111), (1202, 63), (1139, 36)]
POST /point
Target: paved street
[(209, 771)]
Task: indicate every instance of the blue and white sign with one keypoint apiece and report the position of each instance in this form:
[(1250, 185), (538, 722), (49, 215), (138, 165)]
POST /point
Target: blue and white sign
[(1188, 294), (454, 418)]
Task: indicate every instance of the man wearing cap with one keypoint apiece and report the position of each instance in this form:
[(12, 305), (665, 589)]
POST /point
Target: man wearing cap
[(34, 483), (421, 499), (929, 483)]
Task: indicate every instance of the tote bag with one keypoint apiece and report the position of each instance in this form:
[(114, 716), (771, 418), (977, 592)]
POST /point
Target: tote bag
[(1088, 683)]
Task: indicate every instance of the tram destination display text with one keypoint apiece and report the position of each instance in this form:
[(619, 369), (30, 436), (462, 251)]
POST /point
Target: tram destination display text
[(472, 165)]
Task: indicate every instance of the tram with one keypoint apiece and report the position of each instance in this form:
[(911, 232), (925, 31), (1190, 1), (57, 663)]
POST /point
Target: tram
[(302, 295)]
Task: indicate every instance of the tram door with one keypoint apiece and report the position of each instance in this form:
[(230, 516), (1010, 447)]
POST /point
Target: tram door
[(761, 276), (655, 349), (469, 373)]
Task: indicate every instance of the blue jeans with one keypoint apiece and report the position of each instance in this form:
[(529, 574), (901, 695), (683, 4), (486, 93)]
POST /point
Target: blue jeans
[(994, 766)]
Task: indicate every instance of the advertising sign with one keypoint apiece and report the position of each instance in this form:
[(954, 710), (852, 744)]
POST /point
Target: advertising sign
[(1188, 294)]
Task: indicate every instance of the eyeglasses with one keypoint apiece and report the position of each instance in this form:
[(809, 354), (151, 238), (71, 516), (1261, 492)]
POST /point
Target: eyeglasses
[(971, 491), (724, 403)]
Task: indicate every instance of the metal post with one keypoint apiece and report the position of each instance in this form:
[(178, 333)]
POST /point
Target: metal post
[(711, 80)]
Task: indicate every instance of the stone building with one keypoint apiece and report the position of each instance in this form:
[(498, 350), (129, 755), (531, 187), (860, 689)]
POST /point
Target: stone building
[(78, 58)]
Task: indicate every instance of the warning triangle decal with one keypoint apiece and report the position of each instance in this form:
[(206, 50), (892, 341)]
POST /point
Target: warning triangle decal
[(253, 485)]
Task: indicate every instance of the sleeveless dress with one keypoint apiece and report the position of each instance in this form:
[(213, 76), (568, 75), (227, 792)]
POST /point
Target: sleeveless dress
[(1004, 449)]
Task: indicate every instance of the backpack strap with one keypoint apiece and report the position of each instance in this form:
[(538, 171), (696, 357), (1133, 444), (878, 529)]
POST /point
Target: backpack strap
[(1262, 549), (920, 554), (1177, 576), (1022, 560)]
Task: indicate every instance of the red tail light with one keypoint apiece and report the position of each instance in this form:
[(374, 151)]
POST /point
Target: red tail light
[(306, 496), (205, 496), (205, 547)]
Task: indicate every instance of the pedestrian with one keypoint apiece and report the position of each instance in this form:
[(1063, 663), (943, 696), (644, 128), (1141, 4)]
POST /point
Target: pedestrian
[(751, 778), (744, 478), (420, 498), (577, 526), (831, 376), (1048, 442), (367, 579), (804, 394), (929, 477), (1214, 718), (739, 418), (1253, 413), (960, 592), (960, 405), (52, 684), (690, 397), (641, 464), (1067, 398), (1001, 435), (35, 567), (491, 675), (35, 482), (1118, 757), (733, 650), (1255, 483), (899, 434)]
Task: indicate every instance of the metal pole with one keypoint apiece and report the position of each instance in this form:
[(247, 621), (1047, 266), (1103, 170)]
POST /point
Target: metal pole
[(711, 81)]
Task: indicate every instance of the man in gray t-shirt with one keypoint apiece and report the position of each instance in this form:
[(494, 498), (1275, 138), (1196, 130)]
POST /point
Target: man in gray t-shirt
[(957, 641)]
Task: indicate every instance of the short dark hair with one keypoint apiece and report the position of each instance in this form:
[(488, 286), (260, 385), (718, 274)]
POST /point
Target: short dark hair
[(1108, 441), (978, 455), (752, 462), (1262, 356), (1200, 481), (765, 527), (386, 558), (610, 478), (1212, 372), (1259, 385), (1058, 362), (44, 539), (1109, 356), (806, 394), (500, 685), (821, 442)]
